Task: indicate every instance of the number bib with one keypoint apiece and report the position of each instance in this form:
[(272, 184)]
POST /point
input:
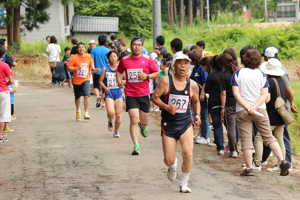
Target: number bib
[(180, 101), (111, 80), (82, 73), (132, 75)]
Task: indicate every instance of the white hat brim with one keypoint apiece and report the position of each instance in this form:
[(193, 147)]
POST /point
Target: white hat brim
[(279, 72)]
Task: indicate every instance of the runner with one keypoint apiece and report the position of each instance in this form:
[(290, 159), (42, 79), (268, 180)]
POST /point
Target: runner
[(139, 69), (114, 95), (99, 58), (173, 95), (80, 65)]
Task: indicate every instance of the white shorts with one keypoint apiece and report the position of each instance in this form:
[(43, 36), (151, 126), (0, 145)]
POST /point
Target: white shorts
[(5, 112)]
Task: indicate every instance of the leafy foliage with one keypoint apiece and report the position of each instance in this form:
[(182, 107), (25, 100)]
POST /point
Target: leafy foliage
[(135, 16)]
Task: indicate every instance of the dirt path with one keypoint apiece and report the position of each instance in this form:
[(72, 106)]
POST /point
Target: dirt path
[(51, 156)]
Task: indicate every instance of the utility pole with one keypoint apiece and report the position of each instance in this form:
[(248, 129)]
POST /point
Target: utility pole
[(266, 12), (207, 2), (297, 11), (156, 6)]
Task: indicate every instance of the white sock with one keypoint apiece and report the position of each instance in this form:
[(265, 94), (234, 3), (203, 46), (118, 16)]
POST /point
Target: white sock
[(184, 179), (173, 166), (78, 110)]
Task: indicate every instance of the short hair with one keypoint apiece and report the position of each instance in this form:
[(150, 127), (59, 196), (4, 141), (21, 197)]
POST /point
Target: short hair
[(47, 37), (252, 59), (164, 61), (113, 36), (67, 49), (2, 41), (177, 44), (243, 51), (195, 56), (123, 44), (53, 39), (201, 44), (160, 40), (74, 41), (80, 43), (111, 52), (206, 61), (120, 39), (193, 47), (168, 55), (102, 39), (2, 51)]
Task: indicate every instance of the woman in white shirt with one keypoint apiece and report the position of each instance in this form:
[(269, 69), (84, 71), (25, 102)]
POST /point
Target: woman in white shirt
[(53, 50)]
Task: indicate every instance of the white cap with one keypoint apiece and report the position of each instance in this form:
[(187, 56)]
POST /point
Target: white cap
[(180, 56), (270, 52), (153, 55), (128, 50), (272, 67), (92, 42)]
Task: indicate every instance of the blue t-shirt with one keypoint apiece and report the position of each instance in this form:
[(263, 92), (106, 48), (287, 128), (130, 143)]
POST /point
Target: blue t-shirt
[(144, 51), (99, 55), (10, 87), (199, 76)]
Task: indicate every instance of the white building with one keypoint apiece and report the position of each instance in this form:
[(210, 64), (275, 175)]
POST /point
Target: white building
[(58, 25), (286, 11)]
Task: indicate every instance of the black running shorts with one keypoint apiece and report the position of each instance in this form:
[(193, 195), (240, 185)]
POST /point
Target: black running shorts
[(142, 103), (175, 129)]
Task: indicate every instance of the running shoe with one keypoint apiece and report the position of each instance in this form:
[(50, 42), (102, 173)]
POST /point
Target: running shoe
[(171, 174), (221, 152), (98, 103), (103, 107), (284, 168), (116, 134), (3, 139), (185, 189), (110, 126), (234, 154), (151, 109), (247, 172), (136, 150), (144, 130), (78, 116), (87, 116), (8, 130), (201, 140), (4, 134), (196, 137)]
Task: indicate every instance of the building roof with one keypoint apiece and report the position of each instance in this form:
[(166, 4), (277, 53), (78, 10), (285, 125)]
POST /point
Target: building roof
[(94, 24)]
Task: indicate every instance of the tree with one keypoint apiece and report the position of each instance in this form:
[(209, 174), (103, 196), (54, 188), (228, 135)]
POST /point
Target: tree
[(273, 5), (181, 13), (190, 13), (35, 15), (135, 16), (201, 12)]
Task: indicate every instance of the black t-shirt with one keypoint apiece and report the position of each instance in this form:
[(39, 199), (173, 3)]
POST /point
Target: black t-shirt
[(74, 50), (117, 43), (275, 118), (123, 54), (8, 60), (212, 87), (66, 58), (225, 85), (163, 49)]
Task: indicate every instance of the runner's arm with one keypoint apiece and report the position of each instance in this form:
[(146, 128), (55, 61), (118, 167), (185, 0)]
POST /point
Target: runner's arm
[(162, 89), (10, 80), (119, 79), (196, 102), (101, 79)]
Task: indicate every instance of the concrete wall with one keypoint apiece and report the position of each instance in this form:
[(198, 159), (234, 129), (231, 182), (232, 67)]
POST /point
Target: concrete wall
[(55, 26)]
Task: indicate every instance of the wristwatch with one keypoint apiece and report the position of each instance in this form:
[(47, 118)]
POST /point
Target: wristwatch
[(147, 76)]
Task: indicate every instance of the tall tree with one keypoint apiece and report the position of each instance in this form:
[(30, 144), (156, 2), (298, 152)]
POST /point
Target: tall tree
[(175, 12), (182, 12), (172, 15), (273, 5), (190, 13), (35, 15), (201, 12)]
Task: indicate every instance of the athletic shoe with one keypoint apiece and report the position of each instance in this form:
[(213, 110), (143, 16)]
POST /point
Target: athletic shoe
[(284, 168), (247, 172), (201, 140), (234, 154), (185, 189), (171, 174), (87, 116), (276, 168), (116, 134), (3, 139), (256, 168), (110, 126), (151, 109), (211, 144), (103, 107), (226, 148), (196, 137), (8, 130), (156, 109), (221, 152), (78, 116), (136, 150), (71, 86), (144, 131), (264, 163), (98, 102)]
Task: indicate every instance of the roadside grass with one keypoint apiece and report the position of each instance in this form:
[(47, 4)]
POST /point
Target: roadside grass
[(294, 128)]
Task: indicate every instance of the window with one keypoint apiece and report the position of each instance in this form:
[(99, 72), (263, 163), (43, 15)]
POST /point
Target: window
[(66, 13), (284, 11)]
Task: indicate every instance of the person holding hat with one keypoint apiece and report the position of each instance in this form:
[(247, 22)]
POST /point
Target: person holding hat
[(250, 89), (139, 69), (92, 44), (173, 95), (272, 68)]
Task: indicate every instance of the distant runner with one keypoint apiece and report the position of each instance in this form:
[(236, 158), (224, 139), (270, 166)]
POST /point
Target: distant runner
[(139, 69)]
